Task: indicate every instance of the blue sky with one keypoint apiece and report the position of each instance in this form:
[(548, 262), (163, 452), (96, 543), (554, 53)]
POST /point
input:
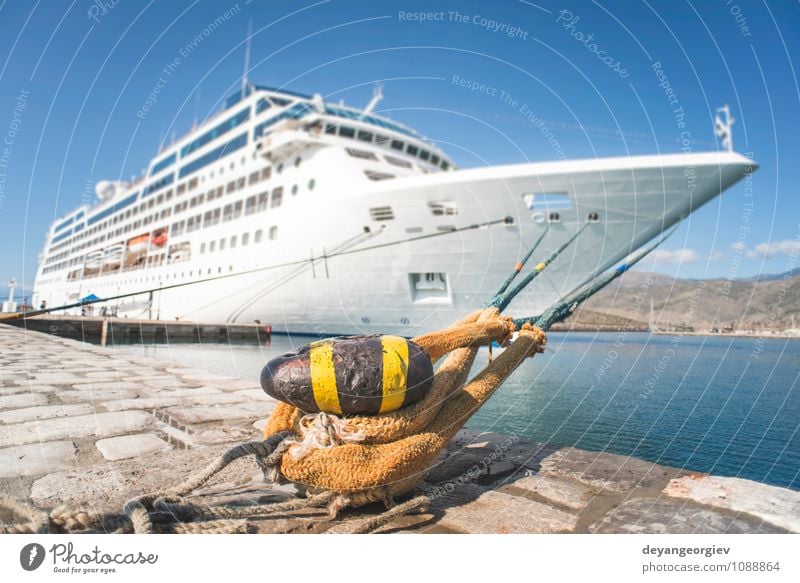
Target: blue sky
[(74, 76)]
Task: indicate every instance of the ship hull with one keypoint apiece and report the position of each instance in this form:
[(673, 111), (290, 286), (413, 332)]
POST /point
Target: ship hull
[(385, 258)]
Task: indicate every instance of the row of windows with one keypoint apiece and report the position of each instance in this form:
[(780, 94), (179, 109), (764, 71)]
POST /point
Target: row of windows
[(216, 132), (158, 185), (252, 204), (232, 211), (164, 163), (386, 141), (214, 155), (233, 241), (181, 189)]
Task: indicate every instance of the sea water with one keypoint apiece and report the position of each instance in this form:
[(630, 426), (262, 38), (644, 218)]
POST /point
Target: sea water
[(722, 405)]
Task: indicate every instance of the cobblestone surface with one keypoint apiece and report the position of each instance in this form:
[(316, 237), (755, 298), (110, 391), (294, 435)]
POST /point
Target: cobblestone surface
[(93, 427)]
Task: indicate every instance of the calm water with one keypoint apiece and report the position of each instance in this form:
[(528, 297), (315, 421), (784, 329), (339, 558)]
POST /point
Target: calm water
[(728, 406)]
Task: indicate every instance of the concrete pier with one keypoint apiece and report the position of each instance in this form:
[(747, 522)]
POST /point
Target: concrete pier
[(134, 330), (92, 427)]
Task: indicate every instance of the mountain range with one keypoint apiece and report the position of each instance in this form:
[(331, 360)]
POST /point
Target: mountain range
[(645, 299)]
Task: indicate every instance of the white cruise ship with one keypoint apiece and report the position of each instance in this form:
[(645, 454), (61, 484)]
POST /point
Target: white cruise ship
[(279, 191)]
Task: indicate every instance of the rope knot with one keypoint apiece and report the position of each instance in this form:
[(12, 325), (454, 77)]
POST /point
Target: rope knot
[(322, 431)]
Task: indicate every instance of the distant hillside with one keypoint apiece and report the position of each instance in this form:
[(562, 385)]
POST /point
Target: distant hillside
[(771, 303)]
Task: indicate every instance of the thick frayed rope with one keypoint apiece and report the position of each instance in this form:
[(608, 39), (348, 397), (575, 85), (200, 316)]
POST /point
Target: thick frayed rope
[(322, 431)]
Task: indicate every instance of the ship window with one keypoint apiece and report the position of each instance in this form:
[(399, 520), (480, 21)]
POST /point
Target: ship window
[(245, 238), (382, 140), (250, 205), (258, 236), (398, 162), (231, 187), (168, 195), (347, 132), (411, 149), (237, 209), (424, 154), (234, 239), (311, 184), (181, 188), (548, 201), (330, 129), (227, 213), (211, 247), (294, 190), (273, 233), (266, 173), (445, 165), (277, 197), (554, 217), (192, 184), (254, 177), (202, 248), (222, 244), (240, 183), (193, 223), (434, 159), (443, 208), (262, 105), (373, 175), (363, 154), (398, 145), (279, 168), (177, 228), (262, 201), (364, 136), (297, 161), (219, 192), (593, 217)]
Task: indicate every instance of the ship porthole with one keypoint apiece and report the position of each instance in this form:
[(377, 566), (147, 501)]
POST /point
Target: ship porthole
[(311, 184), (405, 321), (365, 320)]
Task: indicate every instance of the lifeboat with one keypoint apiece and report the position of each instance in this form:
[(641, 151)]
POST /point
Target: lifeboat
[(159, 238), (139, 244)]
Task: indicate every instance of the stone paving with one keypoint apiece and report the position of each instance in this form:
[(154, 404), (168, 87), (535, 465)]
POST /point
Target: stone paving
[(93, 427)]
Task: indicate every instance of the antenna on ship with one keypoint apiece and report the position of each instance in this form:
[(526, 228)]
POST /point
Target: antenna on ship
[(196, 105), (377, 95), (722, 127), (247, 57)]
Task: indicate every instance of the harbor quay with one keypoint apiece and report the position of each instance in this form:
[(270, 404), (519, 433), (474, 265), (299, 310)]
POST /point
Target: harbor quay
[(92, 427)]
